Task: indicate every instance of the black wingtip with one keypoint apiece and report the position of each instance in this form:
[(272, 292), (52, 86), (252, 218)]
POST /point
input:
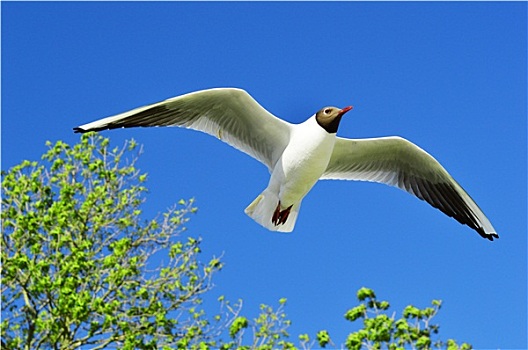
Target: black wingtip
[(490, 236), (493, 235), (79, 130)]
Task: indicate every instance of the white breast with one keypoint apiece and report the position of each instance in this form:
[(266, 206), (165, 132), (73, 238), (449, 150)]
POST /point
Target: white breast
[(303, 162)]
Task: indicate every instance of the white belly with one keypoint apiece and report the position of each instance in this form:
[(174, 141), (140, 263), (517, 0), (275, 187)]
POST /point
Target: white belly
[(303, 162)]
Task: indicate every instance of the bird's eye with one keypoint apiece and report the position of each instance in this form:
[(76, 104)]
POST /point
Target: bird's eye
[(327, 111)]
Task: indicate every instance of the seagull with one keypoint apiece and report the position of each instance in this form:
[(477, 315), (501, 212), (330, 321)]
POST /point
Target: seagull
[(298, 155)]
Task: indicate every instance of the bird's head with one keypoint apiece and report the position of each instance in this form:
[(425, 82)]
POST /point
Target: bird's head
[(329, 117)]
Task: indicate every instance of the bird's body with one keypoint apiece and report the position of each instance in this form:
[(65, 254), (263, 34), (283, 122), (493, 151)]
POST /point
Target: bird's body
[(303, 161), (301, 165), (297, 156)]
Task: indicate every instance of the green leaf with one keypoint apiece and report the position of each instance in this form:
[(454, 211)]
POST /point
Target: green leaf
[(384, 305), (238, 324), (411, 312), (423, 342), (323, 338), (304, 338), (356, 312), (364, 293), (354, 341)]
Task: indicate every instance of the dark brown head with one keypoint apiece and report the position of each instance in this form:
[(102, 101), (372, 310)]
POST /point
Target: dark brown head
[(329, 117)]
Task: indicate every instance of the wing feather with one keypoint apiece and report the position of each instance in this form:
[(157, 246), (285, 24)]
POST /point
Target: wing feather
[(397, 162), (229, 114)]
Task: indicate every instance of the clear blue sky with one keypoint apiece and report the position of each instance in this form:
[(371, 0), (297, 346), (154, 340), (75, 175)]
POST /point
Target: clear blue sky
[(450, 77)]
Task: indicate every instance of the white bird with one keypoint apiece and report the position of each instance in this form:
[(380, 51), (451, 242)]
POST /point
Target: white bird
[(298, 155)]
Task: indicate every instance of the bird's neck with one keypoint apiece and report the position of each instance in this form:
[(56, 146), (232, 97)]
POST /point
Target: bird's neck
[(330, 126)]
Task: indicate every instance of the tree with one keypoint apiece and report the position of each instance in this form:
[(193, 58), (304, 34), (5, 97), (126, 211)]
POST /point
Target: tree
[(75, 256), (412, 331), (78, 270)]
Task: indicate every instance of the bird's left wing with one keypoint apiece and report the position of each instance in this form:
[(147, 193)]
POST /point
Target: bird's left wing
[(397, 162), (229, 114)]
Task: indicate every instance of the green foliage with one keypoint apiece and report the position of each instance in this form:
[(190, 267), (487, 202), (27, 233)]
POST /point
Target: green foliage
[(323, 338), (238, 324), (75, 255), (269, 329), (380, 331), (77, 269)]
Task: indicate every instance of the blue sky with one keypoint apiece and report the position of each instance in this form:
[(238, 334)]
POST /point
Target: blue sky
[(450, 77)]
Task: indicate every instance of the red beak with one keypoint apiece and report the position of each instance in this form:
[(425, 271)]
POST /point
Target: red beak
[(346, 109)]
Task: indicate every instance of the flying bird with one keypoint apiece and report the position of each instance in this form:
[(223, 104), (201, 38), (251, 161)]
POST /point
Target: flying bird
[(298, 155)]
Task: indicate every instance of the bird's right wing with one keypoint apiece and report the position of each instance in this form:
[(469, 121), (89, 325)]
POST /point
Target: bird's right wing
[(397, 162), (229, 114)]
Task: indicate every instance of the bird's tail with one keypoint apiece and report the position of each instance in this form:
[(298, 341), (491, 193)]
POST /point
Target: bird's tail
[(263, 207)]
